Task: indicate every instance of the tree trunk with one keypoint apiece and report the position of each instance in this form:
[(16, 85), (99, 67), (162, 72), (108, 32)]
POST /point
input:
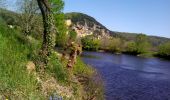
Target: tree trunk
[(49, 30)]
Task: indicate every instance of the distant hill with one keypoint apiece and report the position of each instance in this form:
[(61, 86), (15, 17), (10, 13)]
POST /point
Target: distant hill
[(155, 40), (88, 24), (9, 17), (80, 19)]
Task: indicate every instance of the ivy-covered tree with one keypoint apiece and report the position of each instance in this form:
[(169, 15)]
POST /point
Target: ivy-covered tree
[(29, 18), (48, 8)]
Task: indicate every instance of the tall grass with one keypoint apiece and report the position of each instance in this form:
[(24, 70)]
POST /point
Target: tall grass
[(56, 68), (81, 68), (15, 83)]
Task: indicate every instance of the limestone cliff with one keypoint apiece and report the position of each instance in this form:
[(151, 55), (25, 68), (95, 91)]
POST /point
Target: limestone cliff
[(85, 25)]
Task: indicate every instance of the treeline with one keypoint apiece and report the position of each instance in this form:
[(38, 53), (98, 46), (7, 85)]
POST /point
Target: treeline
[(164, 50), (140, 46)]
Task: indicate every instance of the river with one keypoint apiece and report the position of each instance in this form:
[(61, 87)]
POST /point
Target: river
[(129, 77)]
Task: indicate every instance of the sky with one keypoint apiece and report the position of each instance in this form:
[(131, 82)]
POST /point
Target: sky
[(151, 17)]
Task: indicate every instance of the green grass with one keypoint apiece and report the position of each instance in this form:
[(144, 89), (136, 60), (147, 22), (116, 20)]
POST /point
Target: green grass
[(57, 69), (81, 68), (90, 80), (15, 83)]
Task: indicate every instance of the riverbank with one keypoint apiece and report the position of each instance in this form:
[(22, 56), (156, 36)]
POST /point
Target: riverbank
[(21, 79), (145, 55), (90, 80)]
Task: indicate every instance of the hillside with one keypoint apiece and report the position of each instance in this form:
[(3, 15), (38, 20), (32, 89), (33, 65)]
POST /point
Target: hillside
[(88, 25), (9, 17), (20, 75), (86, 22)]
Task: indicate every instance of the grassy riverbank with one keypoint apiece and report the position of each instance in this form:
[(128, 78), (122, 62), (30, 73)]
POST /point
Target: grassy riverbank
[(16, 51)]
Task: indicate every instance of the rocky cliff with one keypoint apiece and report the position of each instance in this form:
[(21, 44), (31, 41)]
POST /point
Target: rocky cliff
[(86, 25)]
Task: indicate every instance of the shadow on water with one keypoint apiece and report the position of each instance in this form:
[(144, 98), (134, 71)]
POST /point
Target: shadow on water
[(129, 77), (90, 56)]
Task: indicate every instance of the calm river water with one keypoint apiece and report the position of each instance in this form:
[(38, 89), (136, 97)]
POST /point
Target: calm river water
[(129, 77)]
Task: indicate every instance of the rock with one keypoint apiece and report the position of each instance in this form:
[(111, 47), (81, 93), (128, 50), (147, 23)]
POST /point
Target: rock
[(68, 22), (30, 67)]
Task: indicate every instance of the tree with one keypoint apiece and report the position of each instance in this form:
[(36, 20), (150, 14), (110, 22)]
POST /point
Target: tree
[(105, 43), (115, 44), (62, 36), (131, 47), (90, 43), (142, 43), (164, 50), (49, 30), (139, 46), (29, 19)]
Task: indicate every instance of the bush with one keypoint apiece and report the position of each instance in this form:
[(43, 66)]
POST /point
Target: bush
[(131, 48), (139, 46), (142, 44), (90, 43), (164, 50), (61, 36), (115, 45), (55, 68), (81, 68)]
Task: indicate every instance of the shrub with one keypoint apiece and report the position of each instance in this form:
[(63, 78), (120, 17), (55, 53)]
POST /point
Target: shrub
[(90, 43), (115, 45), (139, 46), (55, 68), (164, 50)]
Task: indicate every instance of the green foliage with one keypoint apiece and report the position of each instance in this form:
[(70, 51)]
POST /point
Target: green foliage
[(15, 83), (115, 45), (30, 22), (90, 43), (57, 6), (81, 68), (93, 86), (142, 43), (72, 35), (61, 36), (131, 47), (56, 69), (139, 46), (164, 50)]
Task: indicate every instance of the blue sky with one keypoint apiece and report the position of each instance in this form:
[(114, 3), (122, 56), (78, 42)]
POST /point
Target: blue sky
[(151, 17)]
